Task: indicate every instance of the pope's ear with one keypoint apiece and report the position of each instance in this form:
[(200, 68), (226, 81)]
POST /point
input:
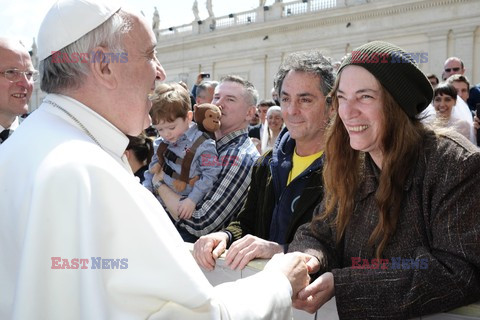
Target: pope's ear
[(101, 67)]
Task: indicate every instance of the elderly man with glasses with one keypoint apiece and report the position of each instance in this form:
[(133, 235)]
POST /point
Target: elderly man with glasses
[(16, 84), (70, 200)]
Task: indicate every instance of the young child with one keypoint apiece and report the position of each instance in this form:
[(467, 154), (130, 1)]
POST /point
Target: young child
[(179, 135)]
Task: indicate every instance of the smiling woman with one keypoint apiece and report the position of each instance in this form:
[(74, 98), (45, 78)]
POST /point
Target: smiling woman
[(393, 189), (444, 100), (360, 105)]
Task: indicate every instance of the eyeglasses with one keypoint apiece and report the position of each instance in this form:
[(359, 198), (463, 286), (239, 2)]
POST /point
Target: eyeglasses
[(452, 69), (14, 75)]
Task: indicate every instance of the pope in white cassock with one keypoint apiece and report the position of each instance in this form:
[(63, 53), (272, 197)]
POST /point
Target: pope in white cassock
[(80, 237)]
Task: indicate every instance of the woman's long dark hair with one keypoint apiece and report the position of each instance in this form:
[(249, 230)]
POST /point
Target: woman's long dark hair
[(401, 143)]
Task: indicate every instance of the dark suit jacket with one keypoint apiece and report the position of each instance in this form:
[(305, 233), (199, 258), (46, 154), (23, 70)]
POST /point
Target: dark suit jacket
[(254, 131)]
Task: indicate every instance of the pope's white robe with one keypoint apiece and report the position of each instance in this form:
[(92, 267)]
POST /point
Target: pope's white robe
[(62, 195)]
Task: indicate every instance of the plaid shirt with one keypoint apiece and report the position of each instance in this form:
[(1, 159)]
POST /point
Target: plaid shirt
[(236, 155)]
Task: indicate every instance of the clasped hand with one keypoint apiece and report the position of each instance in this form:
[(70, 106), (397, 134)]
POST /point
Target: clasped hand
[(317, 293)]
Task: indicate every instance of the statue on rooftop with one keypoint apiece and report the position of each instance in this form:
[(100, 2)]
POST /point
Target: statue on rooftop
[(195, 11), (156, 20), (209, 9)]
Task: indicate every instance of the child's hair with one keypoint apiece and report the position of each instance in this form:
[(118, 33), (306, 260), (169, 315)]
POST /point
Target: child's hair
[(170, 101)]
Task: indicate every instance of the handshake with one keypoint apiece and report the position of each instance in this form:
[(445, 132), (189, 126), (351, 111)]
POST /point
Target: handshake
[(297, 266)]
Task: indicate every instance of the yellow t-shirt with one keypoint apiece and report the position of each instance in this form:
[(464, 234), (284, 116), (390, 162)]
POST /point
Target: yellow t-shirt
[(300, 164)]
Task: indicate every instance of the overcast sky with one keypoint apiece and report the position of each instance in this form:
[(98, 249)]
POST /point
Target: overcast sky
[(22, 18)]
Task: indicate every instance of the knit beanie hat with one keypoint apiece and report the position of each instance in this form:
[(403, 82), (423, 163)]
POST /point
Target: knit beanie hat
[(397, 71)]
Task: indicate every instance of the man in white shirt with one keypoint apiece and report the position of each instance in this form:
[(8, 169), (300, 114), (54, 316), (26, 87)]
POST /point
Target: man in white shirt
[(16, 84), (81, 239)]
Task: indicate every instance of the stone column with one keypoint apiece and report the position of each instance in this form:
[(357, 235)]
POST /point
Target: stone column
[(260, 14), (476, 54), (464, 47), (258, 76), (437, 52), (272, 64)]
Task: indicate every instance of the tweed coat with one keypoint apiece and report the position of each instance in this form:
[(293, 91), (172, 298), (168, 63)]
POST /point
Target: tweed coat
[(433, 256)]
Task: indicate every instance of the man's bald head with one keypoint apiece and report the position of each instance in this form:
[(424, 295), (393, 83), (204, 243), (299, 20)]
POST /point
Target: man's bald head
[(453, 65), (11, 44)]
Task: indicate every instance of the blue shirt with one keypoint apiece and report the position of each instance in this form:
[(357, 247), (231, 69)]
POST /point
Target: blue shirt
[(202, 165)]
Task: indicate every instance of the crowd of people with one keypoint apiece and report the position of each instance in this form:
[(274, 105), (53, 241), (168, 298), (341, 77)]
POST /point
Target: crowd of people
[(357, 180)]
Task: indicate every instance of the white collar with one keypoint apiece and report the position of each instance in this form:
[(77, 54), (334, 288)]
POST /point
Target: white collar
[(13, 126), (108, 136)]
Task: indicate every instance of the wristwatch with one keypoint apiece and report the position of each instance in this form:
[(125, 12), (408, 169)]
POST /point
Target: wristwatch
[(157, 185)]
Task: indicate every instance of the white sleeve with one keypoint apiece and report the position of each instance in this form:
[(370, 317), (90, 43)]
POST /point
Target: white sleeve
[(265, 295), (97, 210)]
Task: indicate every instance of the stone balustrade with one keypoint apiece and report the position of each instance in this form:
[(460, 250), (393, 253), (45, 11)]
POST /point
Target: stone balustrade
[(278, 10)]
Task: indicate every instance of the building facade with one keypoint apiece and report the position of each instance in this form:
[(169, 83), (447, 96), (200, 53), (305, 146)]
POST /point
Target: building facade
[(252, 44)]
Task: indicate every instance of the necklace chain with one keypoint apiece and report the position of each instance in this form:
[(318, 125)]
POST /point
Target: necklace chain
[(71, 116)]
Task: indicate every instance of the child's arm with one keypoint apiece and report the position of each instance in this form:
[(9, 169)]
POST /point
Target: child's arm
[(209, 167), (185, 209), (147, 183)]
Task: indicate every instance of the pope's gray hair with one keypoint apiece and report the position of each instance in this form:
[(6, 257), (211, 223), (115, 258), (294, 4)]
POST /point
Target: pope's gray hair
[(57, 76)]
